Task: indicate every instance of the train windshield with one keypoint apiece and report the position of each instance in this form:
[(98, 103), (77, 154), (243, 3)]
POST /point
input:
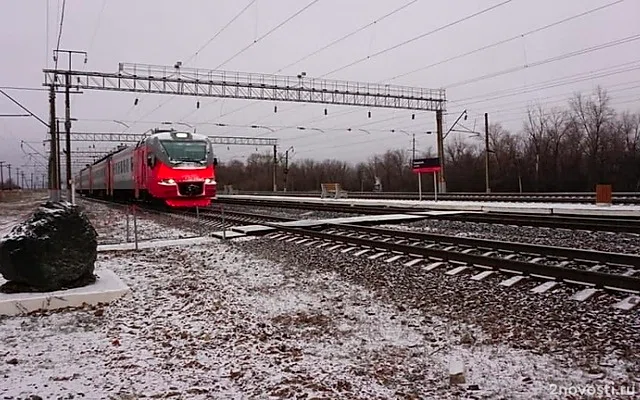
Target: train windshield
[(185, 151)]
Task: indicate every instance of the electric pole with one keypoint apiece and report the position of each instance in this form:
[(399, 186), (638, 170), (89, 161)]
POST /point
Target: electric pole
[(413, 152), (58, 165), (67, 113), (275, 166), (2, 175), (17, 178), (9, 185), (486, 151), (54, 195), (440, 137), (286, 166)]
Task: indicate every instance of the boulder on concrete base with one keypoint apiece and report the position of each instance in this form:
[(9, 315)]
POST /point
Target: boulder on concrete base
[(54, 249)]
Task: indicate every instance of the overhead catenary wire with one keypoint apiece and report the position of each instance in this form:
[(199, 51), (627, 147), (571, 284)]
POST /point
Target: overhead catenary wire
[(219, 32), (64, 2), (266, 34), (325, 47), (562, 21), (560, 57), (163, 103), (404, 43), (247, 47), (504, 41)]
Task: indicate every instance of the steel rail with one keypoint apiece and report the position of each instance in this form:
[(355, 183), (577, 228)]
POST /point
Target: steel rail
[(564, 252), (550, 221), (560, 274)]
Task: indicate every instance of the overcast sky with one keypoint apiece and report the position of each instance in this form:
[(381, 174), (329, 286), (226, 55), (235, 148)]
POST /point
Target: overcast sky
[(162, 32)]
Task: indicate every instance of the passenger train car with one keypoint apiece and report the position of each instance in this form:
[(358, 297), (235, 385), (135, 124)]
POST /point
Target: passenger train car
[(176, 168)]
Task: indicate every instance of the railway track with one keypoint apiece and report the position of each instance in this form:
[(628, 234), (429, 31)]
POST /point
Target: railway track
[(560, 197), (615, 271), (594, 270), (606, 224), (553, 265)]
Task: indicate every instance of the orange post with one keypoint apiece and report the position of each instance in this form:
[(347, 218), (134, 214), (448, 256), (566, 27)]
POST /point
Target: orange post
[(603, 195)]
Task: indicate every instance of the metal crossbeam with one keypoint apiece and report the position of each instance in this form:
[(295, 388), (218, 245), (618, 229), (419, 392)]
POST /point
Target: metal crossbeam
[(240, 85), (249, 141), (135, 137), (105, 137)]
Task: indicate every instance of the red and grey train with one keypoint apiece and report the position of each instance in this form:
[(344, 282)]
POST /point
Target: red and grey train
[(168, 166)]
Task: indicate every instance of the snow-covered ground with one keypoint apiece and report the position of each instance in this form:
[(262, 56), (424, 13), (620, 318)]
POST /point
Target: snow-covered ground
[(266, 319)]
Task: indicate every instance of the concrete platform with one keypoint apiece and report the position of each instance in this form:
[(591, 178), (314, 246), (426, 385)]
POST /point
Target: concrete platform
[(228, 234), (439, 212), (480, 206), (353, 220), (107, 288), (153, 244), (253, 229)]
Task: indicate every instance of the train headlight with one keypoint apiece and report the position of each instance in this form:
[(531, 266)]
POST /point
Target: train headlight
[(167, 182), (209, 181)]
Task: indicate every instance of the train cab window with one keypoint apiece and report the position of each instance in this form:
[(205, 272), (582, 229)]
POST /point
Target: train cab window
[(185, 150)]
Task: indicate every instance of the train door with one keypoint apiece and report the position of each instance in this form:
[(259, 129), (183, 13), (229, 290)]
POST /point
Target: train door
[(109, 176), (142, 162), (90, 179)]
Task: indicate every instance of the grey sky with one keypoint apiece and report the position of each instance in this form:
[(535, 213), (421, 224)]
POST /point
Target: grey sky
[(163, 32)]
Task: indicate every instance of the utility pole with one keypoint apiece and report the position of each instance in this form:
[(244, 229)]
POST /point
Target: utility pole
[(32, 187), (58, 164), (286, 166), (2, 175), (9, 167), (17, 178), (413, 153), (54, 195), (67, 125), (440, 138), (67, 112), (486, 151), (275, 166)]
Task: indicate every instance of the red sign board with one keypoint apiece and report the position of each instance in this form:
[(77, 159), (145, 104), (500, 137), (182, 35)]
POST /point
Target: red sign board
[(426, 170), (426, 165)]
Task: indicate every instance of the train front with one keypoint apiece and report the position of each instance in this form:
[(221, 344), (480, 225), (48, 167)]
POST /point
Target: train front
[(185, 172)]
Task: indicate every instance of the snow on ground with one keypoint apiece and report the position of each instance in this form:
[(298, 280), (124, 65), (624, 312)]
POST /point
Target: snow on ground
[(222, 321)]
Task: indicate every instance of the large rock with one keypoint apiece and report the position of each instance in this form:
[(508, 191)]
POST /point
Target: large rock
[(54, 249)]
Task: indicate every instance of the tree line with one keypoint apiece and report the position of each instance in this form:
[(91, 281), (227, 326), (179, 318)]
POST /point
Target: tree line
[(571, 148)]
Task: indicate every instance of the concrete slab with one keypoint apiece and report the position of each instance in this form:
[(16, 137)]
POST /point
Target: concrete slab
[(352, 220), (456, 270), (361, 252), (512, 281), (253, 229), (152, 244), (433, 265), (107, 288), (378, 255), (519, 210), (412, 262), (628, 303), (482, 275), (584, 294), (544, 287), (227, 234), (441, 212), (394, 258), (466, 206)]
